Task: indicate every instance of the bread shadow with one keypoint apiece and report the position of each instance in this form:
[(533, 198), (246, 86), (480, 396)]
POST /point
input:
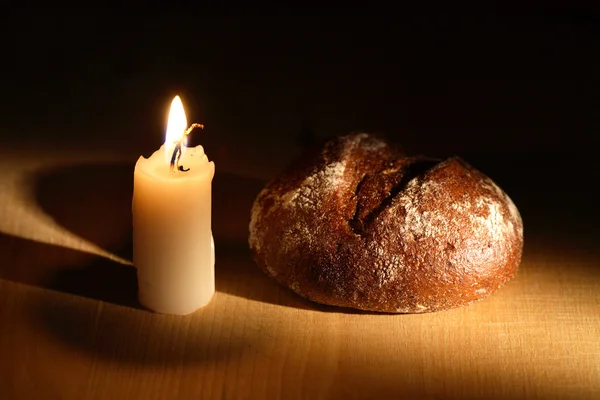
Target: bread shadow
[(237, 274)]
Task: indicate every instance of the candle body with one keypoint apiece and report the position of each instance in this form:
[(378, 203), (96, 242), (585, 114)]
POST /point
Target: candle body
[(173, 248)]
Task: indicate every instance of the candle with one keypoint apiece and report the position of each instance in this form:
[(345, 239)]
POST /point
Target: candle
[(173, 248)]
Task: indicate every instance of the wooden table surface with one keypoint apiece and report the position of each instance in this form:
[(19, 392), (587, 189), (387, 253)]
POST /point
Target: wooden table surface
[(72, 328), (87, 105)]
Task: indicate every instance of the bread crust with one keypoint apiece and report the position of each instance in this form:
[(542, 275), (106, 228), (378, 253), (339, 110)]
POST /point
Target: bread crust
[(361, 225)]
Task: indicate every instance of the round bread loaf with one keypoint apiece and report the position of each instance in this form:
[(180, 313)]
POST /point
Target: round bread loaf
[(361, 225)]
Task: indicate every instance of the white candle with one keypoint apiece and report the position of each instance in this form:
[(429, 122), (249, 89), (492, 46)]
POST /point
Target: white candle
[(173, 248)]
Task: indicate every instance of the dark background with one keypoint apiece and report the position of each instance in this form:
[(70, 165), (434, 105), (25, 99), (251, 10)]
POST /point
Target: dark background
[(513, 91)]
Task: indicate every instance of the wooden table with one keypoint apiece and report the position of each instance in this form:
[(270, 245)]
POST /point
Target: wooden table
[(72, 327)]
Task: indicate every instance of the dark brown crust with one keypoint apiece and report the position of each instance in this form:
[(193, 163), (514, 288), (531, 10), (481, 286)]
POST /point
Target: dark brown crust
[(360, 225)]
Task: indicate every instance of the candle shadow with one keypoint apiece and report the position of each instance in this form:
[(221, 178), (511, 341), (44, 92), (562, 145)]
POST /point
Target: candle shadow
[(68, 271), (93, 201), (114, 327)]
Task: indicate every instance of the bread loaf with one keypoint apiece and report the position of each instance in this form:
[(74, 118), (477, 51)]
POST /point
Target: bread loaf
[(362, 225)]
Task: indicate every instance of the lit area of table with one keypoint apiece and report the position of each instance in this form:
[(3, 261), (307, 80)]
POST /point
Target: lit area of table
[(72, 327)]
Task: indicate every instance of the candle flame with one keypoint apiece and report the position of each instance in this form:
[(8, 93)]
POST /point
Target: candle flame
[(175, 128)]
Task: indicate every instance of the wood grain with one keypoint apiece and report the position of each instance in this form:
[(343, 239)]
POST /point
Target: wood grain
[(71, 327), (537, 338)]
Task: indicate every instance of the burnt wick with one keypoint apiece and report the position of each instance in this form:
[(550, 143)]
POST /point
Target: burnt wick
[(176, 156)]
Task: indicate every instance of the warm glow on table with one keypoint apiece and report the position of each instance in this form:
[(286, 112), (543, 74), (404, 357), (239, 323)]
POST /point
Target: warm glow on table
[(71, 322)]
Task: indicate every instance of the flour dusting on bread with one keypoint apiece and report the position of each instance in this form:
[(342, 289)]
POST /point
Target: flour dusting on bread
[(366, 227)]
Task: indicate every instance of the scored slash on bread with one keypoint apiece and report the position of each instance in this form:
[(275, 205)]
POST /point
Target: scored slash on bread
[(361, 225)]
